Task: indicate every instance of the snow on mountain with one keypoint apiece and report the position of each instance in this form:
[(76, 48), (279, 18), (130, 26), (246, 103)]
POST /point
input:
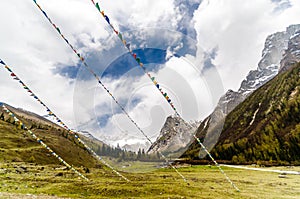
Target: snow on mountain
[(127, 141), (292, 54), (272, 54), (136, 146)]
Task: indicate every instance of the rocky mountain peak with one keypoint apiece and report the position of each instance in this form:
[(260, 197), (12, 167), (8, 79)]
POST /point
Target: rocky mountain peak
[(275, 46), (292, 54), (175, 135)]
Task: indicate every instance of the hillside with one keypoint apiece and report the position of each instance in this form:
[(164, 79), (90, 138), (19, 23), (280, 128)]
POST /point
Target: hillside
[(265, 128), (281, 49), (17, 146)]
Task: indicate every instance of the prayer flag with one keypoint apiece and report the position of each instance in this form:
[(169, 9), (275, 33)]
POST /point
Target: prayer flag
[(107, 19), (120, 36), (138, 60), (98, 7), (8, 69), (58, 30), (45, 13)]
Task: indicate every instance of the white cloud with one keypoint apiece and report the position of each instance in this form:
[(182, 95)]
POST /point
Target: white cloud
[(134, 14), (33, 49), (185, 85), (239, 29)]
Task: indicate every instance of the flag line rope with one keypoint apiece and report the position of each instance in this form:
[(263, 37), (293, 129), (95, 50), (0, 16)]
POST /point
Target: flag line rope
[(15, 77), (138, 60), (22, 125), (106, 89)]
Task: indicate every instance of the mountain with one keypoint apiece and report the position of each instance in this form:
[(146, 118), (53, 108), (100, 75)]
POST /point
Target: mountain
[(174, 137), (135, 147), (33, 117), (292, 54), (17, 146), (87, 135), (265, 128), (280, 49)]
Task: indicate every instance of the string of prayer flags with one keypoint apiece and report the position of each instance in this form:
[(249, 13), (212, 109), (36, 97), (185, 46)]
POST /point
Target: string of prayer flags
[(134, 55), (50, 113), (21, 125), (215, 162), (156, 84), (103, 86)]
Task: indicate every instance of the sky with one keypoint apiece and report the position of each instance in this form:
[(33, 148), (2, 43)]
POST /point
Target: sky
[(196, 49)]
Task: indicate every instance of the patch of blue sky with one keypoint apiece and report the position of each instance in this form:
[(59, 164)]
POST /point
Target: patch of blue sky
[(152, 58), (67, 71), (103, 119), (281, 5)]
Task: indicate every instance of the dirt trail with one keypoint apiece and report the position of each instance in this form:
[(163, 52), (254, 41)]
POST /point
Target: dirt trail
[(26, 196), (263, 169)]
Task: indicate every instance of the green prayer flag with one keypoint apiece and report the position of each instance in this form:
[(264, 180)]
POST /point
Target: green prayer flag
[(58, 30), (97, 6), (138, 60), (120, 36)]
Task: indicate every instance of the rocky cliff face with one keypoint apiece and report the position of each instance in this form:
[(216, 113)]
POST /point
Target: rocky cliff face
[(175, 135), (274, 50), (292, 54)]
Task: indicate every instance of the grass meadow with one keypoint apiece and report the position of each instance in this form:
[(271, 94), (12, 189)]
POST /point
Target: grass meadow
[(204, 182)]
